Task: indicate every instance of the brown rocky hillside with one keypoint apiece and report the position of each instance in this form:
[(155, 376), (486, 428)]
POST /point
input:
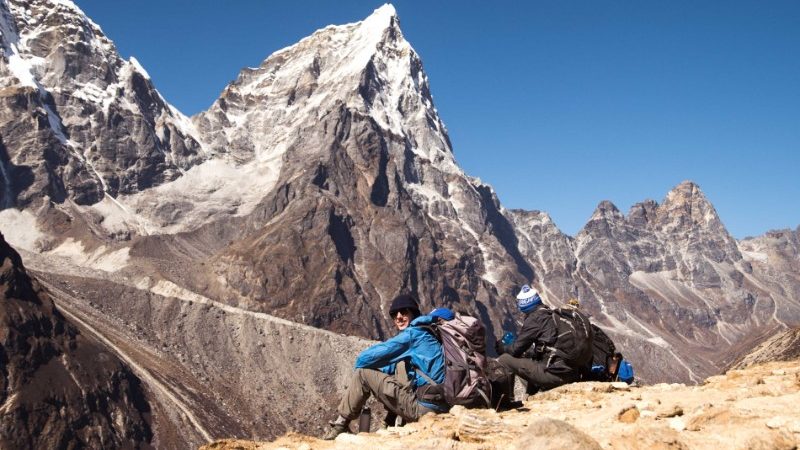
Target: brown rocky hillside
[(752, 408), (783, 346)]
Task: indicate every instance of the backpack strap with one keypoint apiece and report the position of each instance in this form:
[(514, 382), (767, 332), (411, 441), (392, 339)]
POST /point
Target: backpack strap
[(426, 377), (485, 397), (432, 329)]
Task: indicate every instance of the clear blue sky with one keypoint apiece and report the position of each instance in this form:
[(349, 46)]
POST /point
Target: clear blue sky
[(557, 104)]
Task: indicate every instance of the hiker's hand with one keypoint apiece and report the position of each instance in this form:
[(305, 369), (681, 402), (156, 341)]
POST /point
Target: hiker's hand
[(499, 347)]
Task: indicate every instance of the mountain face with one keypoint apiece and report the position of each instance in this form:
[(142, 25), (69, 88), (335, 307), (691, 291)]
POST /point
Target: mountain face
[(367, 200), (59, 389), (316, 188), (79, 122)]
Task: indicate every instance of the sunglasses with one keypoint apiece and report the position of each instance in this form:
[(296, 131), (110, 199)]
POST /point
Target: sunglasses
[(402, 312)]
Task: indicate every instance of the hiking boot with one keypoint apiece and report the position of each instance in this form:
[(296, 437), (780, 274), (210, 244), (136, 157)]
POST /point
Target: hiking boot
[(338, 426)]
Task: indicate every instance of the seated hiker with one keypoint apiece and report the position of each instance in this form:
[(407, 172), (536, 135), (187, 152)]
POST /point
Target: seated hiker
[(534, 355), (403, 310), (425, 361)]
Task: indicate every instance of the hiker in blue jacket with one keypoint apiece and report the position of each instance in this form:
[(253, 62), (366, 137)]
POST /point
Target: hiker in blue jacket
[(423, 355), (403, 311)]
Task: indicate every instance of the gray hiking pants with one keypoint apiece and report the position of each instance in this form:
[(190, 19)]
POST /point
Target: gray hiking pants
[(387, 389), (534, 373)]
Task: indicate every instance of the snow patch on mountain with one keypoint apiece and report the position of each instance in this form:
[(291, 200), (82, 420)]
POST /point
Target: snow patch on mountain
[(138, 67), (22, 68), (20, 229), (100, 258), (201, 194), (667, 284), (753, 250)]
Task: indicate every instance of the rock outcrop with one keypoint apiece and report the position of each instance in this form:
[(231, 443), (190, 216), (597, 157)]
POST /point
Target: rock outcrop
[(783, 346), (742, 409), (59, 389)]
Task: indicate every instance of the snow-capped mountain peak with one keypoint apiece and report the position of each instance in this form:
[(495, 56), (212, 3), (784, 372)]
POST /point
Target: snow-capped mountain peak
[(366, 64), (110, 132)]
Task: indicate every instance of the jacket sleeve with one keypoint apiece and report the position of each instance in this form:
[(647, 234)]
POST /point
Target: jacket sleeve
[(535, 330), (384, 353)]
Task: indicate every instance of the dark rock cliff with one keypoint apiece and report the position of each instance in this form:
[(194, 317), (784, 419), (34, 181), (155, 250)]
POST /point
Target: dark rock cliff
[(59, 389)]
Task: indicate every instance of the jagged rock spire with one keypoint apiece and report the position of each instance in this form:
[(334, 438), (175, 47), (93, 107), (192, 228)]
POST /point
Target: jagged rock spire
[(685, 208)]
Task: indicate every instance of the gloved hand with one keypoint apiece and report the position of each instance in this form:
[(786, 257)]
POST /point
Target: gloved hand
[(499, 347)]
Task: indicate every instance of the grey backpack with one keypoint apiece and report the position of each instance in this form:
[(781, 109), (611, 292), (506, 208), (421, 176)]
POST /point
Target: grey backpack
[(465, 375)]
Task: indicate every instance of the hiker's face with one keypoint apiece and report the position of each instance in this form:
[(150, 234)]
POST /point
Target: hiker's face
[(402, 318)]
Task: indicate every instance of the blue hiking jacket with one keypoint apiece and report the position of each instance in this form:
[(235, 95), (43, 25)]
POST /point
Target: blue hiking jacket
[(415, 345)]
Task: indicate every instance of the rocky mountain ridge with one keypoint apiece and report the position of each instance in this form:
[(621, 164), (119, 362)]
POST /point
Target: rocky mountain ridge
[(783, 346), (87, 125), (209, 370)]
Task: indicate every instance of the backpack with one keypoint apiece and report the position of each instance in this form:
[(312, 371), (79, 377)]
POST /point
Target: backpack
[(466, 380), (605, 360), (625, 372), (574, 341)]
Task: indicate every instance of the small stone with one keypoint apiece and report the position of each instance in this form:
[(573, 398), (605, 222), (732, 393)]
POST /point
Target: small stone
[(352, 439), (776, 422), (621, 386), (677, 424), (644, 406), (628, 415), (457, 410), (779, 372), (550, 434), (671, 412)]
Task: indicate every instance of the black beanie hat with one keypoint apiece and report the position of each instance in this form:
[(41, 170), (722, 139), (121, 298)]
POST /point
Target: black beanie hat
[(403, 301)]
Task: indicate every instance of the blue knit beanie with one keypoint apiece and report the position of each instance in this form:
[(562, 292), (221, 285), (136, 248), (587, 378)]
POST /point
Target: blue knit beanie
[(528, 299)]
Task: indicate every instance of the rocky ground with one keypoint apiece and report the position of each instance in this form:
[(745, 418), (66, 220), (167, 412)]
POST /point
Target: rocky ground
[(752, 408)]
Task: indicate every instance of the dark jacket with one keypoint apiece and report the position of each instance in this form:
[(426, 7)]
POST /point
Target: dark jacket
[(538, 334)]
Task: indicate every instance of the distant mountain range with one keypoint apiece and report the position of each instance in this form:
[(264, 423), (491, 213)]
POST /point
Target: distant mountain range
[(317, 187)]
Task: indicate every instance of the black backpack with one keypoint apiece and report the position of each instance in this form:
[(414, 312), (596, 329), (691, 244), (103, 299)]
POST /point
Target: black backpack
[(604, 360), (574, 341)]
